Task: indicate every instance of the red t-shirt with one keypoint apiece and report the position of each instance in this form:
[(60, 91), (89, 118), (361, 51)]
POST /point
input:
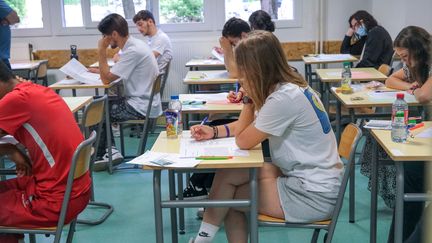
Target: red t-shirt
[(40, 120)]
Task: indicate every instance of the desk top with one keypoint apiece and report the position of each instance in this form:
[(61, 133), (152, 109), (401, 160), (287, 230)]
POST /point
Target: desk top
[(328, 58), (110, 63), (415, 149), (25, 64), (369, 98), (56, 86), (214, 104), (208, 77), (76, 103), (357, 74), (169, 145), (201, 63)]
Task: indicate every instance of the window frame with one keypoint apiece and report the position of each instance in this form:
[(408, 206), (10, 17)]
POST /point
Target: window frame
[(44, 31)]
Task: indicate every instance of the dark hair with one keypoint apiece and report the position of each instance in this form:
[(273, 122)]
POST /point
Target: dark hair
[(368, 20), (5, 73), (234, 27), (143, 15), (419, 44), (114, 22), (261, 20)]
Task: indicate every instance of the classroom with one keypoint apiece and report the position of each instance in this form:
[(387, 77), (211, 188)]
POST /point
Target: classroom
[(205, 121)]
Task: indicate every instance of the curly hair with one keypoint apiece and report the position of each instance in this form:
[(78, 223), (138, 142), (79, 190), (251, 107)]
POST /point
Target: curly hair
[(261, 20)]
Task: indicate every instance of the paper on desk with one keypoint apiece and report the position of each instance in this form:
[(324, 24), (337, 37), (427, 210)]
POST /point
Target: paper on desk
[(390, 96), (425, 134), (206, 97), (77, 71), (379, 124), (189, 147), (217, 55), (332, 57), (164, 160), (8, 139)]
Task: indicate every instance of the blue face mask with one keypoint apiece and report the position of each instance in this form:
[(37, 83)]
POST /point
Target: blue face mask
[(361, 31)]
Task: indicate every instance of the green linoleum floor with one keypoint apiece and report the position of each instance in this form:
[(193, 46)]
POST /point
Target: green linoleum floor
[(130, 191)]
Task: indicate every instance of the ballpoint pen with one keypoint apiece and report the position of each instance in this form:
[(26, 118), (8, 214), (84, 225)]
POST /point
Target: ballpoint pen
[(204, 120)]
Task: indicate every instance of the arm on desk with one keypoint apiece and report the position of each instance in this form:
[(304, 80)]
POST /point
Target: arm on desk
[(397, 81), (424, 94)]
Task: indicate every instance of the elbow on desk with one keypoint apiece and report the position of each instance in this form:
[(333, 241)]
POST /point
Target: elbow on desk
[(243, 143)]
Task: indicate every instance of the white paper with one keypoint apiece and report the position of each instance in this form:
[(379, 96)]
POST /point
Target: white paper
[(110, 63), (164, 160), (77, 71), (8, 139), (379, 124), (218, 75), (206, 97), (396, 152), (68, 82), (425, 134), (333, 57), (390, 96), (189, 147), (219, 56)]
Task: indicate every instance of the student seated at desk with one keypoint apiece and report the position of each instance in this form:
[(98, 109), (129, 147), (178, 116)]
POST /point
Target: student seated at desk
[(261, 20), (40, 120), (352, 43), (414, 46), (378, 46), (302, 182), (137, 68)]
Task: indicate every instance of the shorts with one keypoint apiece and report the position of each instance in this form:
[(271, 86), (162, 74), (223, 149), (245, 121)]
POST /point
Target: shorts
[(302, 206)]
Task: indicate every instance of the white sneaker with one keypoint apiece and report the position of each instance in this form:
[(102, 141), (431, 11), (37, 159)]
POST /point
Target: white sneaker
[(102, 164)]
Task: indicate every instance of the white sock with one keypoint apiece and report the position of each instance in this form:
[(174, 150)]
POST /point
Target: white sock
[(206, 233)]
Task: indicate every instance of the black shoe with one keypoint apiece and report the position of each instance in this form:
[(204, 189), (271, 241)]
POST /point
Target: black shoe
[(194, 193)]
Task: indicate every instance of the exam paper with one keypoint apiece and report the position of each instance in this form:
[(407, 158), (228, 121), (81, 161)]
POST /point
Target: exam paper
[(164, 160), (219, 56), (189, 147), (78, 72), (390, 96), (332, 57), (425, 134), (379, 124)]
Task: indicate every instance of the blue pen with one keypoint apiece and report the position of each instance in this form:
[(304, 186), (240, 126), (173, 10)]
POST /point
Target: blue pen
[(237, 87), (204, 120)]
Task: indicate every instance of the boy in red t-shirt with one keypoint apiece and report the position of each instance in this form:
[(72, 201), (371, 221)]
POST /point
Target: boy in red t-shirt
[(41, 121)]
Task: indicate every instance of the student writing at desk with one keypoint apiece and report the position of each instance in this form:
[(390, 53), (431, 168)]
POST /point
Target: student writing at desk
[(414, 46), (302, 182), (41, 121), (137, 68)]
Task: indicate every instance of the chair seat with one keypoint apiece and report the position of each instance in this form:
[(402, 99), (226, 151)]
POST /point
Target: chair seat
[(54, 228), (266, 218)]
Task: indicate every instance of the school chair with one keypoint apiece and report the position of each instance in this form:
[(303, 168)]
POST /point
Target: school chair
[(93, 115), (385, 69), (164, 80), (146, 123), (41, 73), (79, 166), (347, 146)]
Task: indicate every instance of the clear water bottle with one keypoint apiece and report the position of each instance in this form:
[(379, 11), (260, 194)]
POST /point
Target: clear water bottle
[(175, 104), (399, 119), (346, 79)]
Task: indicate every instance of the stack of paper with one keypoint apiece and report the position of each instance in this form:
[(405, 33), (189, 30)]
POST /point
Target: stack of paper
[(164, 160), (379, 124), (80, 73), (216, 54)]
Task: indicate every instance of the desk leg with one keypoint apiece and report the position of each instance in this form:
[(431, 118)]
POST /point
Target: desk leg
[(374, 182), (338, 120), (180, 197), (173, 211), (108, 134), (254, 205), (399, 203), (157, 205)]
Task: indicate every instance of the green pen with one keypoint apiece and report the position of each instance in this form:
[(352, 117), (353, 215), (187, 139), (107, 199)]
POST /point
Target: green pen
[(214, 157)]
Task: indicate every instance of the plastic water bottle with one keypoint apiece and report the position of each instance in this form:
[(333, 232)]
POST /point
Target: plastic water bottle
[(399, 119), (74, 53), (175, 104), (346, 79)]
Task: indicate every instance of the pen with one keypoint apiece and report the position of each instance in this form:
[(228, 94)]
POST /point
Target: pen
[(417, 126), (204, 120), (237, 88), (385, 91), (214, 157)]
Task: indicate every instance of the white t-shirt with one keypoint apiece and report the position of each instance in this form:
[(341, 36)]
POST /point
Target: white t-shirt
[(161, 44), (302, 145), (138, 69)]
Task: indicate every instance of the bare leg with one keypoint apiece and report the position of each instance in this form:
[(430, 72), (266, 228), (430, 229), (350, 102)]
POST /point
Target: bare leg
[(236, 226)]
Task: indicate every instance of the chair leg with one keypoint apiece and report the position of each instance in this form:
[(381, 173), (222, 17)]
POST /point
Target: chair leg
[(315, 236), (180, 197), (122, 149), (102, 219), (352, 195), (71, 231), (32, 238)]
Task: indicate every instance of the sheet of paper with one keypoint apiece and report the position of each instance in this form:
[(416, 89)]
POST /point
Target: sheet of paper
[(164, 160), (425, 134), (332, 57), (389, 96), (189, 147), (8, 139), (68, 82), (77, 71), (218, 75), (379, 124), (216, 54), (207, 97)]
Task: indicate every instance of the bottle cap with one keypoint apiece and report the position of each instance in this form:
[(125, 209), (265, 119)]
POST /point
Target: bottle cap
[(400, 95), (174, 97)]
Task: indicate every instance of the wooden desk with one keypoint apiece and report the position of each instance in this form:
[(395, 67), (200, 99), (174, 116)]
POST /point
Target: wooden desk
[(76, 103), (324, 59), (253, 162), (327, 76), (212, 105), (195, 78), (363, 99), (203, 64), (110, 63), (415, 149), (28, 66)]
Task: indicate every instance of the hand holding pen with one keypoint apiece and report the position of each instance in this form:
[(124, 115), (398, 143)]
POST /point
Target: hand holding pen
[(201, 131), (237, 96)]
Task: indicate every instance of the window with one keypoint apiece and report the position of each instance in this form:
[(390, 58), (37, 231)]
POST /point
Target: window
[(181, 11), (30, 13), (101, 8), (72, 13)]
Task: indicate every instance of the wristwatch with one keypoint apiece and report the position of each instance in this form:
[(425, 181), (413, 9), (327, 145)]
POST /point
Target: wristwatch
[(246, 100)]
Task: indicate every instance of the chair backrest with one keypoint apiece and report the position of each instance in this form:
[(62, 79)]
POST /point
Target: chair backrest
[(385, 69), (93, 112), (79, 166), (42, 70), (347, 146), (165, 77)]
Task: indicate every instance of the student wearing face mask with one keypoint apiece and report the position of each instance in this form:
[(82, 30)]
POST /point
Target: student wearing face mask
[(352, 43), (378, 47)]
